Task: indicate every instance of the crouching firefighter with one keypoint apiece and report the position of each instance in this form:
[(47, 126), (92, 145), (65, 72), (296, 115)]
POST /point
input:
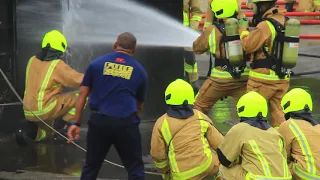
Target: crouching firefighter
[(301, 133), (46, 75), (229, 75), (252, 149), (182, 138), (273, 46)]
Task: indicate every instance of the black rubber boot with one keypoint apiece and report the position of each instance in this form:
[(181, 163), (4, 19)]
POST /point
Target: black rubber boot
[(63, 131), (26, 133)]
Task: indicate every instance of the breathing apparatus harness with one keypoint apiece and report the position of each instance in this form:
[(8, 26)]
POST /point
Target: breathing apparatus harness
[(224, 61), (273, 61)]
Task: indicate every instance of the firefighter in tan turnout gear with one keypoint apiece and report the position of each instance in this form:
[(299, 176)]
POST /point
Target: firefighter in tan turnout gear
[(301, 134), (183, 138), (191, 8), (273, 46), (253, 149), (229, 75), (46, 75)]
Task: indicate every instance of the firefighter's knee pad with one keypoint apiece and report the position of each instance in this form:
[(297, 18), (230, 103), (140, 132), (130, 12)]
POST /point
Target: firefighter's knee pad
[(189, 57), (26, 132)]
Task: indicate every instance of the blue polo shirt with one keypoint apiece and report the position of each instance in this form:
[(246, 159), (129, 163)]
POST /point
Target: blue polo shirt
[(117, 81)]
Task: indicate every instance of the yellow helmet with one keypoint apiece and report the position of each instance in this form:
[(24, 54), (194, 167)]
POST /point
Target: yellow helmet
[(296, 99), (251, 105), (224, 8), (179, 92), (56, 40)]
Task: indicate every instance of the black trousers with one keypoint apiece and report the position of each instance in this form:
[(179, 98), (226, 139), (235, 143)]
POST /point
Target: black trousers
[(104, 131)]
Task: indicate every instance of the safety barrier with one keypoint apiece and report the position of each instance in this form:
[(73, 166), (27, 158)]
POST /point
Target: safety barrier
[(283, 7), (277, 3), (250, 14), (310, 36), (302, 21)]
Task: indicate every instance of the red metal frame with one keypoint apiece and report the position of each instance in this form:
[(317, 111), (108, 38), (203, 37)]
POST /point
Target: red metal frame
[(278, 2)]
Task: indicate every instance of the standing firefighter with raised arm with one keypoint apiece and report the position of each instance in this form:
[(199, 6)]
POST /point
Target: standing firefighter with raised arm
[(182, 138), (252, 149), (191, 8), (301, 133), (229, 75), (273, 46), (46, 75)]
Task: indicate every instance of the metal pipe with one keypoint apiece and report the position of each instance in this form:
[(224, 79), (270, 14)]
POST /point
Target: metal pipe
[(250, 14), (278, 2)]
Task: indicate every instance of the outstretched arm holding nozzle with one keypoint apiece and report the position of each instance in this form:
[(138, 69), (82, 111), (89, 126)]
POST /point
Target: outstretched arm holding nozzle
[(201, 44)]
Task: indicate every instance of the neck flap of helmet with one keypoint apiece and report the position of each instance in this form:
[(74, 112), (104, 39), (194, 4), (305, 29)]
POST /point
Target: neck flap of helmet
[(49, 54), (258, 122), (183, 111), (304, 114), (257, 17)]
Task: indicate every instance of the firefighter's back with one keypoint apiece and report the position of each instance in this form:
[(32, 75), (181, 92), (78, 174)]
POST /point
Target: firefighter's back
[(39, 84), (263, 152), (190, 146)]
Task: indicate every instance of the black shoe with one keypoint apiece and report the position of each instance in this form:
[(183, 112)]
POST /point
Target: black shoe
[(22, 138), (64, 132)]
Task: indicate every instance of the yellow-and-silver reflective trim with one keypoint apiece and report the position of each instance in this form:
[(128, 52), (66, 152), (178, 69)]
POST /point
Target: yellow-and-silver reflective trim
[(42, 134), (225, 74), (174, 167), (167, 137), (261, 158), (272, 76), (196, 18), (206, 24), (27, 74), (212, 41), (190, 68), (244, 33), (304, 175), (284, 159), (162, 164), (316, 2), (45, 84), (44, 111), (250, 176), (186, 21), (304, 145), (72, 111)]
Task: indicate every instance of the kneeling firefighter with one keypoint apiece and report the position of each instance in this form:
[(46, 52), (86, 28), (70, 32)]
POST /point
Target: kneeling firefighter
[(273, 46), (182, 138), (46, 75), (229, 75), (301, 134), (252, 149)]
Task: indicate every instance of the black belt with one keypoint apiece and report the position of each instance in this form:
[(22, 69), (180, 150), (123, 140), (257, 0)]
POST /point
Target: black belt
[(219, 62), (261, 63)]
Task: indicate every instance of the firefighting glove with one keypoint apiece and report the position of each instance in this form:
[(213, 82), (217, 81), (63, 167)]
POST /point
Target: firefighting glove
[(244, 22)]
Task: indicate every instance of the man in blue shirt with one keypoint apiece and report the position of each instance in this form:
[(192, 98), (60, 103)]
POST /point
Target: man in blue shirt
[(117, 84)]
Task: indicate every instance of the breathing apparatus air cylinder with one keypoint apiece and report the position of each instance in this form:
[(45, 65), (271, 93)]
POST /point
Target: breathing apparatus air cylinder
[(290, 49), (233, 47)]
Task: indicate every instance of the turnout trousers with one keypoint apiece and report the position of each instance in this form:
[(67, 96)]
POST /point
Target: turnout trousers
[(104, 131)]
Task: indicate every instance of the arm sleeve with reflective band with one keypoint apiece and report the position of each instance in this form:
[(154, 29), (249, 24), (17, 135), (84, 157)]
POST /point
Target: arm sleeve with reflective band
[(254, 40), (214, 137), (67, 76), (201, 44), (158, 149), (209, 15), (195, 10), (230, 149), (288, 136)]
